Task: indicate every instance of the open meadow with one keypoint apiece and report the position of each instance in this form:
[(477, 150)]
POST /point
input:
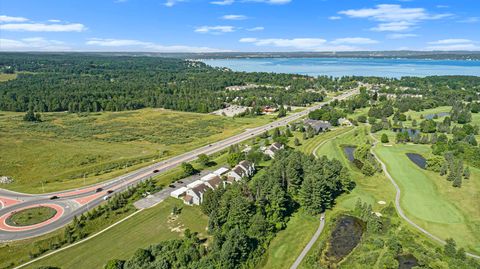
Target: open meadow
[(70, 150), (148, 227)]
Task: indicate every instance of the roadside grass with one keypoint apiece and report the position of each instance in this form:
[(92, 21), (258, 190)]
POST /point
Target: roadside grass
[(309, 145), (289, 243), (431, 201), (146, 228), (31, 216), (71, 150), (18, 252)]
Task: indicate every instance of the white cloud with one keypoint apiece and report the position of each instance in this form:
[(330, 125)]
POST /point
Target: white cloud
[(137, 45), (393, 26), (41, 27), (392, 17), (453, 44), (223, 3), (255, 29), (32, 44), (470, 20), (234, 17), (333, 18), (401, 36), (220, 29), (171, 3), (5, 18), (450, 41), (354, 40), (302, 44)]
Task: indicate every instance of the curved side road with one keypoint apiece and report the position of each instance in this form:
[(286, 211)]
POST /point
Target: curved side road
[(310, 243), (399, 208), (322, 219)]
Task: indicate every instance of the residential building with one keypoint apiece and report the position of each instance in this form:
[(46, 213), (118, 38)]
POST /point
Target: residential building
[(273, 148), (318, 125)]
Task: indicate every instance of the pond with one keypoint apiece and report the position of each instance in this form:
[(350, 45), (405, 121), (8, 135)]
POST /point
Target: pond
[(439, 115), (345, 237), (349, 150), (417, 159), (411, 132), (406, 261)]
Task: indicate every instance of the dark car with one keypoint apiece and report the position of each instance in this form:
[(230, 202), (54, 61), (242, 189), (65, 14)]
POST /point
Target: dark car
[(181, 182), (109, 191), (171, 186), (99, 190), (54, 197), (156, 171)]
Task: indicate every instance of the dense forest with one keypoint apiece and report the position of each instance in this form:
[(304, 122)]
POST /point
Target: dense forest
[(86, 83), (244, 217)]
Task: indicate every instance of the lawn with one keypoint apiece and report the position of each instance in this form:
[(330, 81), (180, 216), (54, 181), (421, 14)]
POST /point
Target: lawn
[(6, 77), (71, 150), (309, 145), (431, 201), (31, 216), (146, 228), (289, 243)]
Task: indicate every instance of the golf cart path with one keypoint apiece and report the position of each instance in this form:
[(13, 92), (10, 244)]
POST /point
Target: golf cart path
[(397, 201)]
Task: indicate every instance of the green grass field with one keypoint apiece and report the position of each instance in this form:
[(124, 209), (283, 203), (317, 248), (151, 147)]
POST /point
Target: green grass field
[(289, 243), (146, 228), (31, 216), (431, 201), (65, 148)]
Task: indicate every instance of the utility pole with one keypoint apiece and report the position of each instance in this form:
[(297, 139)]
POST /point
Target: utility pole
[(84, 175), (43, 188)]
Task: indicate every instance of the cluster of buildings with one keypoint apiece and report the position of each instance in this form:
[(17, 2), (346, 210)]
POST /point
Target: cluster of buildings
[(272, 149), (193, 193)]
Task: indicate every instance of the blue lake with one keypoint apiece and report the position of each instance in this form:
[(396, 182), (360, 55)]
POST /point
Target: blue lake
[(338, 67)]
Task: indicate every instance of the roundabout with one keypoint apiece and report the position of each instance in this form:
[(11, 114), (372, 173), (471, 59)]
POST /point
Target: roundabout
[(31, 217)]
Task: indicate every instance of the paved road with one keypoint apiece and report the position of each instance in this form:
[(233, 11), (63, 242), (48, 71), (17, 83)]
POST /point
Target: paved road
[(93, 197), (310, 243), (397, 202)]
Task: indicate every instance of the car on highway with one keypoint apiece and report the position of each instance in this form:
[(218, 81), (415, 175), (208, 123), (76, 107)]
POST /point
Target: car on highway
[(99, 190), (156, 171), (106, 197), (54, 197), (181, 182), (171, 186), (110, 191)]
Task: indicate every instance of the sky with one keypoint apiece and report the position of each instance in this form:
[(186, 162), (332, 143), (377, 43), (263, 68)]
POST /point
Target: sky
[(238, 25)]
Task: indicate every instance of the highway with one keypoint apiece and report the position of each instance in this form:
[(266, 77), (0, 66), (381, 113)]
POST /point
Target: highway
[(78, 201)]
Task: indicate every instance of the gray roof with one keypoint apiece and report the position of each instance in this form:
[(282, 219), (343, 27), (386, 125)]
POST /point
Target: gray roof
[(318, 125)]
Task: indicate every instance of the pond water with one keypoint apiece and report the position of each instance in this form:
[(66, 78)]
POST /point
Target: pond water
[(441, 114), (406, 261), (345, 237), (417, 159), (349, 150), (411, 132)]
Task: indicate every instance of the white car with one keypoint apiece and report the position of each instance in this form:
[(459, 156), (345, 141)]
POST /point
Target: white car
[(106, 197)]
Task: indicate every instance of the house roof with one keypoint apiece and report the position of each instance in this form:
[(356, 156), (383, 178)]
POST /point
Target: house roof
[(239, 171), (246, 164), (318, 124), (220, 171), (194, 184), (215, 182), (201, 188), (179, 192)]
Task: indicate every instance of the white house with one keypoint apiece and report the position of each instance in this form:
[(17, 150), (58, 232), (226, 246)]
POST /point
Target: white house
[(273, 148), (249, 167), (195, 195), (236, 174), (179, 192)]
